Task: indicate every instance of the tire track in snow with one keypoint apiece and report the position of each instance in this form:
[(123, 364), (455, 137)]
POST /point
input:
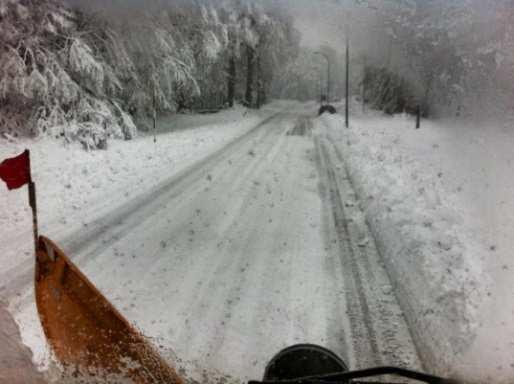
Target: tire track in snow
[(176, 185), (362, 334), (379, 284), (227, 266), (255, 302), (379, 334)]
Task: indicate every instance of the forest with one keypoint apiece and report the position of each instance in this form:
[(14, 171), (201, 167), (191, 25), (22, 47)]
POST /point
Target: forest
[(95, 70)]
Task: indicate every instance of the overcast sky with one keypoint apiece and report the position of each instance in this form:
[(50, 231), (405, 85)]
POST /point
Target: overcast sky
[(320, 22)]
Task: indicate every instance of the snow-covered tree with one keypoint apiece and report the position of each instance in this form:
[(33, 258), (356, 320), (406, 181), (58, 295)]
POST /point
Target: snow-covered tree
[(51, 79), (455, 55), (89, 72)]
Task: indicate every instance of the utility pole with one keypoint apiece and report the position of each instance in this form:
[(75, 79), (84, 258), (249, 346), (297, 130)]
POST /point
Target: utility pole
[(154, 114), (347, 88), (418, 116), (320, 88)]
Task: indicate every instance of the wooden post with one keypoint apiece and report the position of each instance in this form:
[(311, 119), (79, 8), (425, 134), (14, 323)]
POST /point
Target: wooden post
[(320, 89), (231, 81), (364, 87), (418, 116), (33, 205), (347, 87)]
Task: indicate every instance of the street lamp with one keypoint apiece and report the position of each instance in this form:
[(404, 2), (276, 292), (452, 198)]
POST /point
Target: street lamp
[(328, 72)]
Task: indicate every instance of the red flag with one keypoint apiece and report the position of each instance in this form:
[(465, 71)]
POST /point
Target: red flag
[(16, 170)]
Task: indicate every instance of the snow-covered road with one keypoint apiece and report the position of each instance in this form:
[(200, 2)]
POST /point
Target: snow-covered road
[(258, 246)]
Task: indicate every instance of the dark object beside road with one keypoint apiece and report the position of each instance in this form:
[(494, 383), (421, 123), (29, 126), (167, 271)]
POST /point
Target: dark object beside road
[(326, 108)]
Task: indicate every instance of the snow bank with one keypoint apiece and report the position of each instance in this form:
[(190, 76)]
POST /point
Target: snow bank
[(424, 198)]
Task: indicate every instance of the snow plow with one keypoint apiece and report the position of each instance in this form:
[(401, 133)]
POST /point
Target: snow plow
[(91, 339), (88, 336)]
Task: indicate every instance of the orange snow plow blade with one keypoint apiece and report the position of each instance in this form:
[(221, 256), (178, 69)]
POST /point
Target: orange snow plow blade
[(87, 334)]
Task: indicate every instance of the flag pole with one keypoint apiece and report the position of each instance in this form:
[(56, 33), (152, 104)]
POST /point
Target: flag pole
[(33, 204)]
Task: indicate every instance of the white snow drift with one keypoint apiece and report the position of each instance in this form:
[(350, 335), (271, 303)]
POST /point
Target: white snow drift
[(438, 202)]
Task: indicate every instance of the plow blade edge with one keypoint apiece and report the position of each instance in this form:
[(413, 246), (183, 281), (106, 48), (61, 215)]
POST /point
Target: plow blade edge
[(87, 334)]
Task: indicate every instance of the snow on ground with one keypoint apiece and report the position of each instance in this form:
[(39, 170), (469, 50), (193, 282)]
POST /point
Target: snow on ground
[(75, 186), (439, 201), (242, 255)]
